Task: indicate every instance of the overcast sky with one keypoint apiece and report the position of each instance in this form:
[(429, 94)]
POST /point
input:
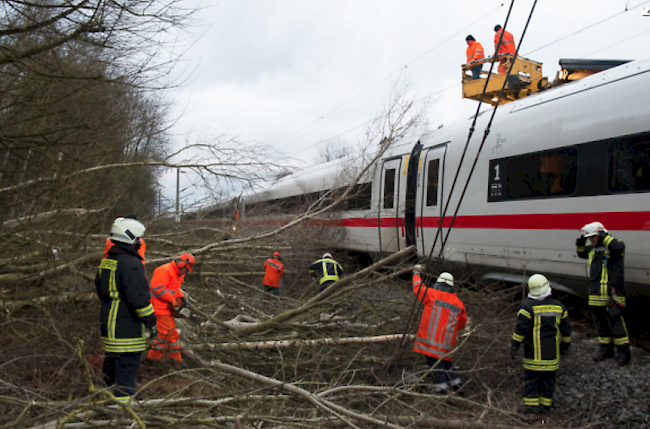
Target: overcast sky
[(297, 74)]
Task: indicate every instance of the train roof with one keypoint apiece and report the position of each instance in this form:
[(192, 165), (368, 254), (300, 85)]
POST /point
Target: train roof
[(340, 172), (336, 173)]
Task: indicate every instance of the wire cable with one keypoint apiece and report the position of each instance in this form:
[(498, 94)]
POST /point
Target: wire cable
[(584, 29), (455, 85), (400, 70), (416, 308)]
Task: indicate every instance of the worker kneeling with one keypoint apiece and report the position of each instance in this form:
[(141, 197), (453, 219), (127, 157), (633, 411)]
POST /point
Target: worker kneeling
[(169, 301)]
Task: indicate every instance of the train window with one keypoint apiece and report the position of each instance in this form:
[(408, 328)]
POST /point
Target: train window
[(432, 182), (542, 174), (629, 164), (389, 189), (360, 197)]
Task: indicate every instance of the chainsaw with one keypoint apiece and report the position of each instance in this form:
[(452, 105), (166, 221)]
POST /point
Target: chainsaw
[(182, 310)]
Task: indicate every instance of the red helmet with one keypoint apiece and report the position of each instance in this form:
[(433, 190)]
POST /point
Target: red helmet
[(186, 260), (276, 254)]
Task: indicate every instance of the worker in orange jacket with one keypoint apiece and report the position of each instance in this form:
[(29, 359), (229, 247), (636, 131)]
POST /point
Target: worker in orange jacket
[(474, 53), (273, 271), (167, 299), (507, 46), (442, 317), (141, 246)]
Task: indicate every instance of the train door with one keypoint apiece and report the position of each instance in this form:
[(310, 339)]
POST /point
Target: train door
[(431, 198), (411, 193), (389, 209)]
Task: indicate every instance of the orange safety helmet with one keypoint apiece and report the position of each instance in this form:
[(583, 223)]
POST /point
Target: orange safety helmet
[(186, 260), (276, 254)]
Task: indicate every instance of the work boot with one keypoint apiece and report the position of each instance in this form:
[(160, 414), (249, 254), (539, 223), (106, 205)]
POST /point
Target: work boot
[(605, 351), (623, 354), (530, 411)]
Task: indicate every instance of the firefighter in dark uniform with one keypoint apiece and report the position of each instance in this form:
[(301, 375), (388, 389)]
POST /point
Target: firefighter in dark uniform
[(125, 308), (541, 321), (606, 290), (326, 270)]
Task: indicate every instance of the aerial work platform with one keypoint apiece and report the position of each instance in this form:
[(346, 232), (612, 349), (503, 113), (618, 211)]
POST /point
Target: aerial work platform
[(525, 78)]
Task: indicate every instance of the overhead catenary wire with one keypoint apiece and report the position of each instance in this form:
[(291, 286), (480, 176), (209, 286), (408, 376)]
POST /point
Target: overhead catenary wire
[(417, 304), (627, 9), (455, 85), (382, 80), (485, 134)]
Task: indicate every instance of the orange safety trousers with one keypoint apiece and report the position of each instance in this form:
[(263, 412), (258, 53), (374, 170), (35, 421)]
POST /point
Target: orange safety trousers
[(167, 339)]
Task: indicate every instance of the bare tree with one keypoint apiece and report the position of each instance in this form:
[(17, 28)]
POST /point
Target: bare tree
[(331, 150), (311, 359)]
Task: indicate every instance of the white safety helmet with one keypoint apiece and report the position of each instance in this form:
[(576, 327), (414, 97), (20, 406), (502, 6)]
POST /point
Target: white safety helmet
[(126, 230), (327, 255), (538, 286), (591, 229), (446, 278)]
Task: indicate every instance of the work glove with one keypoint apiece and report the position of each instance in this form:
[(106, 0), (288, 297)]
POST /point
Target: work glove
[(468, 327), (564, 349), (513, 353), (184, 303), (581, 241), (417, 269), (154, 331), (601, 236)]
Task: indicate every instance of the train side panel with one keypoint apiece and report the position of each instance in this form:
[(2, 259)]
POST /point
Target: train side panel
[(538, 233)]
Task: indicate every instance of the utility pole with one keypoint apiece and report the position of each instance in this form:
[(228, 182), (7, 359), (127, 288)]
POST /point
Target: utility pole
[(178, 192)]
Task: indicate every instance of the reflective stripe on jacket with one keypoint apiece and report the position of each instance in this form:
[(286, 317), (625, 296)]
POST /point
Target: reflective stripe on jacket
[(606, 270), (274, 270), (326, 270), (126, 308), (442, 317), (540, 324), (507, 44), (474, 51), (165, 288)]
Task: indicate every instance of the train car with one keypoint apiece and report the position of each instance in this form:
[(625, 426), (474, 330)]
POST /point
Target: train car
[(553, 162)]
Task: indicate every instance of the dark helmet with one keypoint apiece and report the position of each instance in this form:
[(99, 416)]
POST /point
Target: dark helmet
[(497, 27), (470, 38)]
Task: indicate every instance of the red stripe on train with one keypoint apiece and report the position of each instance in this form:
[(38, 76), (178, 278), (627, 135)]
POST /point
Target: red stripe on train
[(619, 221)]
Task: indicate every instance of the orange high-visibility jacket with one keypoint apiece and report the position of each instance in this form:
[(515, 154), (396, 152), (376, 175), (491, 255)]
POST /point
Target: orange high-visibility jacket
[(475, 51), (165, 288), (507, 44), (442, 317), (274, 270), (108, 244)]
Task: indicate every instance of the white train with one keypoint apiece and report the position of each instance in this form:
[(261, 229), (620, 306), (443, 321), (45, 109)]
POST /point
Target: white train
[(552, 163)]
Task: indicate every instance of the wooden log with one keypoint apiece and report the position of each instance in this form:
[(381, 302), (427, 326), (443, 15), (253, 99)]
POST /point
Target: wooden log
[(253, 345)]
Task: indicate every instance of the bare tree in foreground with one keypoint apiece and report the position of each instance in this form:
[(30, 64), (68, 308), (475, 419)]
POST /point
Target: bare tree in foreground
[(308, 359)]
